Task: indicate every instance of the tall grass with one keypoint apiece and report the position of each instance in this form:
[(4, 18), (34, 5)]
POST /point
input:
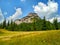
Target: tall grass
[(33, 38)]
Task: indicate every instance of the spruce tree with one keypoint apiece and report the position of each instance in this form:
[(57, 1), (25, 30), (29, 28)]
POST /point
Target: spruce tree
[(11, 25), (44, 27), (55, 24), (4, 23), (8, 23)]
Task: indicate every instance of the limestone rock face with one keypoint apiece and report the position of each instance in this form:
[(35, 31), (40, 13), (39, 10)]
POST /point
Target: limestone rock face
[(27, 19)]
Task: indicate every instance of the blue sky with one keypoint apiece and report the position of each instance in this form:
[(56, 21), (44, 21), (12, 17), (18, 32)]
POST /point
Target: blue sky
[(14, 9)]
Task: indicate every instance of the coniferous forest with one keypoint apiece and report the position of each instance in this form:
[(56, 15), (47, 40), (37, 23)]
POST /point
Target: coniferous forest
[(36, 25)]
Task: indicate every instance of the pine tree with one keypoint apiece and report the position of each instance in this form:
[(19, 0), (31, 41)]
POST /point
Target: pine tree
[(0, 25), (11, 26), (8, 23), (55, 24), (11, 22), (4, 23), (44, 27)]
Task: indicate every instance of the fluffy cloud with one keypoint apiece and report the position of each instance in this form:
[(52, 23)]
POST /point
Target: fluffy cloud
[(51, 20), (22, 0), (1, 16), (15, 15), (48, 10)]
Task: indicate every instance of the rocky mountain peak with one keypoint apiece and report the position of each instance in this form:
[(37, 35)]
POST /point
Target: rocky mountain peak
[(27, 19)]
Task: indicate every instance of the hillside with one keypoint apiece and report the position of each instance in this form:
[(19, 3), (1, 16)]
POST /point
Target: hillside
[(30, 38)]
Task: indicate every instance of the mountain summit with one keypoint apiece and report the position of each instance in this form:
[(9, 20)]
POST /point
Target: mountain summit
[(27, 19)]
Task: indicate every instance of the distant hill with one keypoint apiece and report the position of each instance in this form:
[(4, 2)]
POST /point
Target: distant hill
[(27, 19)]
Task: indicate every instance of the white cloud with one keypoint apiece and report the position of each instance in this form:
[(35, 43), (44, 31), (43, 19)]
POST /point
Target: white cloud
[(58, 18), (48, 10), (1, 16), (15, 15), (22, 0)]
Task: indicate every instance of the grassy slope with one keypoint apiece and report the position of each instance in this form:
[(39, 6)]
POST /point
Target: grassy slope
[(30, 38)]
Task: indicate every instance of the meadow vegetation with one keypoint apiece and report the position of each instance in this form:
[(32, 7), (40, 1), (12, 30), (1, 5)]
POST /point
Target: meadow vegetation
[(30, 38)]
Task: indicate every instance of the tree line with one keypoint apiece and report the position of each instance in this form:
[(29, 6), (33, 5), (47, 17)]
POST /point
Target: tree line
[(38, 24)]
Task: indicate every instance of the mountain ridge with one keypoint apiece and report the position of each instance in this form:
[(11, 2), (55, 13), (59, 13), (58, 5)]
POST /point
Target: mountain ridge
[(27, 19)]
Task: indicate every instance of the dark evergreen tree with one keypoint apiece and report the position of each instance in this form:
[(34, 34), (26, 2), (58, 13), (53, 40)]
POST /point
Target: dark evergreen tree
[(59, 25), (1, 26), (56, 24), (8, 23), (44, 27), (11, 26), (4, 23)]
